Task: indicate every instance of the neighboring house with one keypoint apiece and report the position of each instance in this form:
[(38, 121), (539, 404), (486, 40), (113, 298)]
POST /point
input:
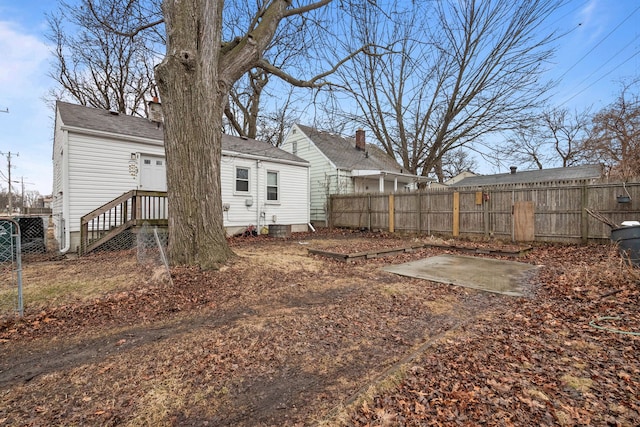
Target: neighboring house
[(582, 174), (460, 177), (99, 155), (344, 165)]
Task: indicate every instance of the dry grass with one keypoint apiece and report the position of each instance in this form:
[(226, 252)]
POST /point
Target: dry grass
[(277, 337), (49, 284)]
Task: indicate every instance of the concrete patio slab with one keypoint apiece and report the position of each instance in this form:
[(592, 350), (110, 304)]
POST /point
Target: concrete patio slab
[(491, 275)]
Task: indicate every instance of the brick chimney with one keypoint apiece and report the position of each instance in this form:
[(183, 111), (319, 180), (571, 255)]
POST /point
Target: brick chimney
[(513, 169), (360, 145), (155, 111)]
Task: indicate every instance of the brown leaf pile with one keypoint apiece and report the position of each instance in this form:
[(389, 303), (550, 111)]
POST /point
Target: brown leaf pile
[(537, 361), (279, 338)]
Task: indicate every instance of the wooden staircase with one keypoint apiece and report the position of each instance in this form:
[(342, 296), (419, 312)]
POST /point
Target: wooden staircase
[(131, 210)]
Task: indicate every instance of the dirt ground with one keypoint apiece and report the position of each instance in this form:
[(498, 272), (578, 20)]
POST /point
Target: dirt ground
[(280, 337)]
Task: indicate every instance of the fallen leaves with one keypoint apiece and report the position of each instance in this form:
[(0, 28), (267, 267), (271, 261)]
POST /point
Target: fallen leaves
[(282, 344), (537, 361)]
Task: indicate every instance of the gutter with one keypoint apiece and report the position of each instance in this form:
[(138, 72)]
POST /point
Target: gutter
[(112, 135), (230, 153)]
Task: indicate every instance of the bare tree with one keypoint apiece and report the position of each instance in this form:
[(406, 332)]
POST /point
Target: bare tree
[(95, 67), (566, 134), (443, 83), (523, 146), (259, 107), (552, 138), (30, 197), (247, 113), (194, 80), (615, 136), (454, 162)]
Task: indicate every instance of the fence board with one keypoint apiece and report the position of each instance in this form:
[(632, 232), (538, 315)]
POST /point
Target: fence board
[(559, 214)]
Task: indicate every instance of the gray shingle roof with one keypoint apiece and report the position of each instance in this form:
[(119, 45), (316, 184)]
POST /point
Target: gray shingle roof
[(257, 148), (344, 154), (91, 118), (96, 119), (576, 173)]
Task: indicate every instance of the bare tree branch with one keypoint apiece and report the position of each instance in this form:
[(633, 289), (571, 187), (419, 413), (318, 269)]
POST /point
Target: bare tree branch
[(470, 72)]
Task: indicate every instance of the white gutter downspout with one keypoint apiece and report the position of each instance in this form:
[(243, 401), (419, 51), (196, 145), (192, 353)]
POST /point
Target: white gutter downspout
[(258, 212), (309, 199), (65, 193)]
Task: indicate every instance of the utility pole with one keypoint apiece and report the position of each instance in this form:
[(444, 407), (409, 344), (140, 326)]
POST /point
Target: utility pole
[(22, 183), (9, 179)]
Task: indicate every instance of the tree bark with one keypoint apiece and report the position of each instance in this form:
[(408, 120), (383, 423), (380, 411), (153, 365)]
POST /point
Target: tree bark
[(193, 101)]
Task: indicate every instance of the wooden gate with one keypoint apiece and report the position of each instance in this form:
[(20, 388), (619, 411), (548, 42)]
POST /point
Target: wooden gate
[(523, 221)]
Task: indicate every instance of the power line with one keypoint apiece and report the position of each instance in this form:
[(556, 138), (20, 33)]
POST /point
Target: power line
[(599, 43), (600, 78)]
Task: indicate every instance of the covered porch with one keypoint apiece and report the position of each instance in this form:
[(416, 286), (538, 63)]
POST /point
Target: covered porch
[(376, 181)]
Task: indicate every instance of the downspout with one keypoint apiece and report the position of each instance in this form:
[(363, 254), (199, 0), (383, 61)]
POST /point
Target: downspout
[(258, 229), (65, 192), (309, 199)]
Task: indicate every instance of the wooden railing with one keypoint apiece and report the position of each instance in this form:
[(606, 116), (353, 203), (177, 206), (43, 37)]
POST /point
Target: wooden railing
[(129, 210)]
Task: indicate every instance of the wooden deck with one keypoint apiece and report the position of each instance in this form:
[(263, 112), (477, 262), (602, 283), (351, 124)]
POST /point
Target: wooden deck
[(131, 210)]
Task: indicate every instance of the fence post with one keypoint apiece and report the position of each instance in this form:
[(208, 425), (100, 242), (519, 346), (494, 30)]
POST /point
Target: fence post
[(19, 271), (329, 215), (486, 213), (369, 211), (391, 214), (584, 217), (419, 196), (456, 214)]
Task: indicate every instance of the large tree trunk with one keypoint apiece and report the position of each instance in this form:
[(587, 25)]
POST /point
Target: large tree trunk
[(193, 104), (194, 81)]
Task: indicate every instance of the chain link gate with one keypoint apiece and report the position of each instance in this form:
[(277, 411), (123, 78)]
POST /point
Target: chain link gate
[(11, 267)]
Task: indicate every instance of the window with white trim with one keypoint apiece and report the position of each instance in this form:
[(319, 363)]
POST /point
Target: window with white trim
[(272, 186), (242, 180)]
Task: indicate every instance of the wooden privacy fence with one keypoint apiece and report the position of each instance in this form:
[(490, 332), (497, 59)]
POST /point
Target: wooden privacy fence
[(540, 212)]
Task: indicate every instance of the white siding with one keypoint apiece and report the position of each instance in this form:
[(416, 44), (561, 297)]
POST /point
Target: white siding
[(100, 169), (58, 179), (99, 172), (290, 209), (324, 179)]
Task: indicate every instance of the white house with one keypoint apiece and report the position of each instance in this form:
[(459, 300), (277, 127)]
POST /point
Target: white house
[(98, 155), (345, 165)]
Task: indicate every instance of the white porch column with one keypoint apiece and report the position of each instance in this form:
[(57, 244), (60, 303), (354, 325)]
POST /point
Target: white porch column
[(395, 184), (381, 183)]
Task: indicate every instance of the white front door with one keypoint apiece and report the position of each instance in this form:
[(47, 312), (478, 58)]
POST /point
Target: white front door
[(153, 174)]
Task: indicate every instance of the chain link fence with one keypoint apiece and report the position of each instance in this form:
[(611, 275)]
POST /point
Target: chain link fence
[(152, 249), (29, 240), (11, 267)]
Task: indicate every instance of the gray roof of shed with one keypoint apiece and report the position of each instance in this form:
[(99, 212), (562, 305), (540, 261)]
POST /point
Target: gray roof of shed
[(96, 119), (576, 173), (344, 154)]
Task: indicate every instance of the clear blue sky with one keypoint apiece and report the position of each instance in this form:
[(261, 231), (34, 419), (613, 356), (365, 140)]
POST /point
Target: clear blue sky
[(603, 46)]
